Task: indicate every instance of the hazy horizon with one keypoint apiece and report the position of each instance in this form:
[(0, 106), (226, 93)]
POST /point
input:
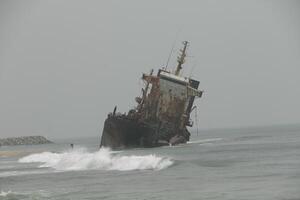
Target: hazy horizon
[(64, 65)]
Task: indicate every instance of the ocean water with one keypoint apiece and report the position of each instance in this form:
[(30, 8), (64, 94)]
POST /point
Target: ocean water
[(246, 163)]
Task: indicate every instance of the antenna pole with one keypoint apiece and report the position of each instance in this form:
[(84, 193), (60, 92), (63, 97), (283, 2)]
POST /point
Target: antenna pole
[(172, 50), (170, 55), (181, 58)]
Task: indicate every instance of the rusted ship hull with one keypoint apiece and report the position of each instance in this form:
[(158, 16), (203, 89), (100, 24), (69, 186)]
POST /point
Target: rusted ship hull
[(125, 132)]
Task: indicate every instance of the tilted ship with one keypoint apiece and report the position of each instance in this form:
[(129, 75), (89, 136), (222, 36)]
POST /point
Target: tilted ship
[(162, 114)]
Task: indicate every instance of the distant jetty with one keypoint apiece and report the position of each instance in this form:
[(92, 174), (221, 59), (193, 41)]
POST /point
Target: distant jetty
[(26, 140)]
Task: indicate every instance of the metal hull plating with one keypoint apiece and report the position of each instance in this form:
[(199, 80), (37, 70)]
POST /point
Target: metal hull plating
[(125, 132)]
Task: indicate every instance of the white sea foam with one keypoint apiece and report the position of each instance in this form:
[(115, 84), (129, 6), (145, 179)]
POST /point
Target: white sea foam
[(4, 194), (209, 140), (24, 195), (20, 173), (104, 159)]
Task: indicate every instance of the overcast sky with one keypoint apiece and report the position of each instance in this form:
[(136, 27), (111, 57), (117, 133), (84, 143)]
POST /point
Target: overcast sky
[(65, 64)]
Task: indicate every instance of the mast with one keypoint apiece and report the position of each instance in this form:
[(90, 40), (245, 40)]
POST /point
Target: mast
[(181, 58)]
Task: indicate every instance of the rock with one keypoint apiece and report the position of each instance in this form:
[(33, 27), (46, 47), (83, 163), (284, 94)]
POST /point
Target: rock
[(26, 140)]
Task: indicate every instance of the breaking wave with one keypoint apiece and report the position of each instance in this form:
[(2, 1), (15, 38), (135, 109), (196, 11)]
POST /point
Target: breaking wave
[(4, 194), (19, 173), (9, 195), (104, 159), (210, 140)]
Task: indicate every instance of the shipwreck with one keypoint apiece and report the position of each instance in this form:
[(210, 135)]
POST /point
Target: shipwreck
[(162, 114)]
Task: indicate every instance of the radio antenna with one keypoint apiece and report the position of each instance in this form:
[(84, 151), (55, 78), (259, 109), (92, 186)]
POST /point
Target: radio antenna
[(192, 69), (173, 46)]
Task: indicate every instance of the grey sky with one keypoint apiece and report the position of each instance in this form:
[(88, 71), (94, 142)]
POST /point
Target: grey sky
[(65, 64)]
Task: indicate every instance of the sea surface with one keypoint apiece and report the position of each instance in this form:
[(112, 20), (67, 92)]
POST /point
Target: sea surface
[(261, 163)]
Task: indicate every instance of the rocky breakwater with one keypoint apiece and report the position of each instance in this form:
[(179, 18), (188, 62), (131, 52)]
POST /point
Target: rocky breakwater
[(26, 140)]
